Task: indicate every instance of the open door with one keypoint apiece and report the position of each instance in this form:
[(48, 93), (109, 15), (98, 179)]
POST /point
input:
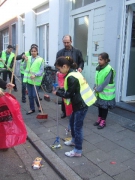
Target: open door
[(128, 86)]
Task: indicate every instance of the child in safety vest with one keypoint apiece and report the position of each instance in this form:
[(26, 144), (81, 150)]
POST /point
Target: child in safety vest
[(104, 88), (74, 85)]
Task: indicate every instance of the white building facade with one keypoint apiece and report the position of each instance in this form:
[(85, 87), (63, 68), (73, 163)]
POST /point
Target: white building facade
[(96, 26)]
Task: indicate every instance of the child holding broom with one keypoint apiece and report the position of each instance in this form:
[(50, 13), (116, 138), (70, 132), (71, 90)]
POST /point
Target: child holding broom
[(77, 89)]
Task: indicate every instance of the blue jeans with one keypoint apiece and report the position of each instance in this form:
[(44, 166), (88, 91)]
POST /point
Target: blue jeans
[(23, 88), (32, 96), (76, 124)]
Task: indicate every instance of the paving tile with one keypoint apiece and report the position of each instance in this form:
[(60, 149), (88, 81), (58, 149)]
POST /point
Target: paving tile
[(130, 163), (88, 147), (126, 143), (45, 136), (87, 170), (102, 177), (94, 138), (120, 155), (97, 156), (127, 175), (112, 169), (107, 145)]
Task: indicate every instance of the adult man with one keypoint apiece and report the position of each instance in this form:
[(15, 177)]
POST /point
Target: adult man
[(22, 57), (8, 59), (76, 54)]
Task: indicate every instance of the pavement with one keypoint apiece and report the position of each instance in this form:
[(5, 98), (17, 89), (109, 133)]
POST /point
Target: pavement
[(108, 154)]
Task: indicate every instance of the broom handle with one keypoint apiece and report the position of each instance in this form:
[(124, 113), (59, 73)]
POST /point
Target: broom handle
[(37, 96), (14, 66), (43, 89), (10, 70)]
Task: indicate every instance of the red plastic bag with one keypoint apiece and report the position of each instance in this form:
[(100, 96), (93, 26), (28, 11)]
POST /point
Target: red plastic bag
[(69, 109), (12, 128)]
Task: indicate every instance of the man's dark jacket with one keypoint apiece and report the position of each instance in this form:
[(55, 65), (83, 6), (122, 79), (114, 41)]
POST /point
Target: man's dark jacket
[(76, 55)]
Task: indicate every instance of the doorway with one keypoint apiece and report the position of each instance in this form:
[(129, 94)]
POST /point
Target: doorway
[(128, 90), (82, 38)]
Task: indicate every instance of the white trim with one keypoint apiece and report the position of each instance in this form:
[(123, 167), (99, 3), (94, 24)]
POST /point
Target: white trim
[(42, 24), (88, 7), (130, 2), (127, 53), (120, 56)]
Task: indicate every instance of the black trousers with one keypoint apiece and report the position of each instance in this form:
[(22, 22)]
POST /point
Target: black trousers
[(63, 107), (102, 113), (9, 74)]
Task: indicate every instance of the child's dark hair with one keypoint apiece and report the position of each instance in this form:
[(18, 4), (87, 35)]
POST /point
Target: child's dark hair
[(34, 48), (65, 60), (105, 56)]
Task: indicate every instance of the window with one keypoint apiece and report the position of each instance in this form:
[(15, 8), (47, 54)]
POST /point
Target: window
[(5, 35), (80, 3), (44, 42)]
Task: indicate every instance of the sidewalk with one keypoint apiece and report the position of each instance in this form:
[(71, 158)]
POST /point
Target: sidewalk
[(108, 154)]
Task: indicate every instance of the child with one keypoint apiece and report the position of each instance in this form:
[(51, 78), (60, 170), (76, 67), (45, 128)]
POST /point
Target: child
[(104, 88), (78, 91)]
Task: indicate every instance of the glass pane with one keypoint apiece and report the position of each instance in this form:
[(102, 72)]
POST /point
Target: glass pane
[(81, 34), (76, 4), (41, 41), (131, 70), (88, 2)]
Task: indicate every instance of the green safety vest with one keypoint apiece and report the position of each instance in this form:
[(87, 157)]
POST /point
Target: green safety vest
[(33, 69), (108, 92), (22, 63), (85, 91), (4, 59)]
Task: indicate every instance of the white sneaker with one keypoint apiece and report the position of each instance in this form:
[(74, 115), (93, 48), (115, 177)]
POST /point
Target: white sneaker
[(69, 143), (73, 154)]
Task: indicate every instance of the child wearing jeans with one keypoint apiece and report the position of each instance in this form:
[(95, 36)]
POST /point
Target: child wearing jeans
[(104, 88), (78, 91)]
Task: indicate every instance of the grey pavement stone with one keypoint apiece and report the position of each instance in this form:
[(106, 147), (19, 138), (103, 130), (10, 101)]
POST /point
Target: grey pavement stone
[(87, 170), (94, 138), (103, 177), (88, 147), (18, 176), (120, 155), (107, 145), (46, 136), (130, 163), (127, 175), (97, 156), (112, 169), (127, 143)]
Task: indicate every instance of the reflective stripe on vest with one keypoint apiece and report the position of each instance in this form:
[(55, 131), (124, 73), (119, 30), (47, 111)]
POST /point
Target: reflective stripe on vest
[(108, 92), (4, 59), (85, 91), (27, 53), (33, 69)]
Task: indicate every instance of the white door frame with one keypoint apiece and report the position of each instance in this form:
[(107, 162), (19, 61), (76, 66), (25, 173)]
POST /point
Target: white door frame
[(127, 56)]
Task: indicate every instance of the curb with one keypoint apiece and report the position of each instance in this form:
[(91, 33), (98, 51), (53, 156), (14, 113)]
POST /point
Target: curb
[(59, 166)]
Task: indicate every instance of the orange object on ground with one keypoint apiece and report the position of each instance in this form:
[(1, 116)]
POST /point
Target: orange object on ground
[(37, 163)]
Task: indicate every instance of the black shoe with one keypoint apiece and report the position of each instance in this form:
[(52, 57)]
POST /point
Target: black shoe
[(63, 115), (15, 90), (40, 98), (23, 101), (30, 112), (59, 102)]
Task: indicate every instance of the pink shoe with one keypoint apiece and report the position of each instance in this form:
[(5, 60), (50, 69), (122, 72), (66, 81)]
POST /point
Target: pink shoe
[(97, 122), (102, 124), (73, 154)]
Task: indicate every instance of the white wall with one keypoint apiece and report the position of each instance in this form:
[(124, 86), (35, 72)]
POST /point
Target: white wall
[(30, 29), (54, 30)]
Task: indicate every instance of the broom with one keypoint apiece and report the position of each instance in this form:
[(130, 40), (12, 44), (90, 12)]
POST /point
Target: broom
[(40, 115)]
